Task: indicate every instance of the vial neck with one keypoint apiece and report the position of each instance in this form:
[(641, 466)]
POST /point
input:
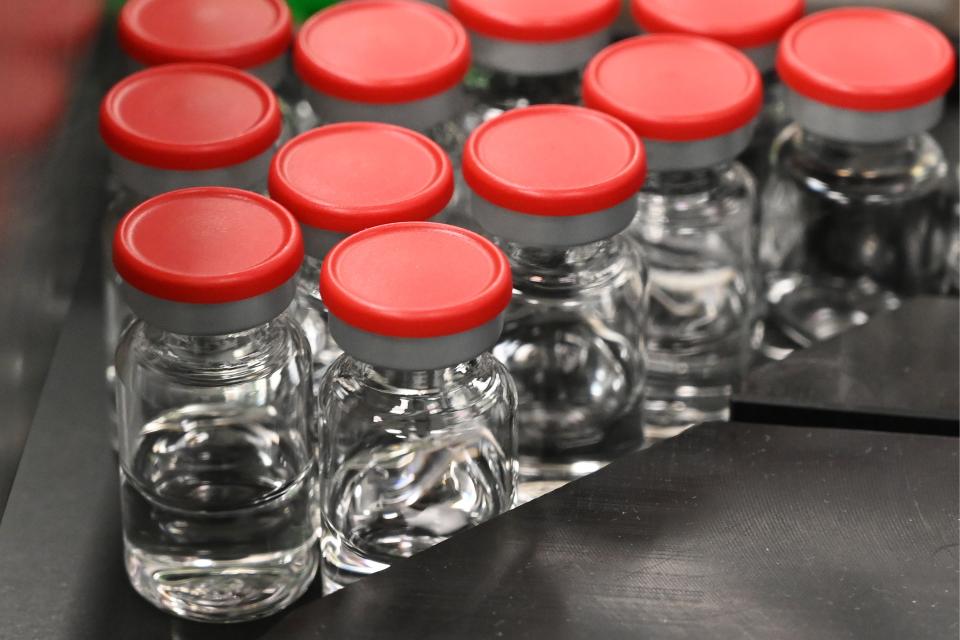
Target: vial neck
[(229, 346), (770, 79), (554, 259), (511, 90), (420, 381), (830, 149), (687, 182), (309, 277)]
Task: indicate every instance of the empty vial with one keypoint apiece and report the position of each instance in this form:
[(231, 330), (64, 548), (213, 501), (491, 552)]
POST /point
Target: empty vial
[(528, 52), (252, 35), (852, 213), (417, 418), (343, 178), (695, 213), (177, 126), (218, 475), (391, 61), (752, 26), (555, 186)]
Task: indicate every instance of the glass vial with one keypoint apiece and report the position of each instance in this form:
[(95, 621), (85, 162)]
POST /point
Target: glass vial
[(216, 451), (555, 186), (695, 214), (852, 214), (752, 26), (252, 35), (527, 53), (417, 418), (172, 127), (390, 61), (343, 178)]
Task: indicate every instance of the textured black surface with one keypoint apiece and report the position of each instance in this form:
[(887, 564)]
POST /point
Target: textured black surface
[(729, 531), (900, 372)]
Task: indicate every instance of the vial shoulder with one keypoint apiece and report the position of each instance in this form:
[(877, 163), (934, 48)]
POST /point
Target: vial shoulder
[(352, 390), (711, 197), (148, 353), (584, 272), (896, 171)]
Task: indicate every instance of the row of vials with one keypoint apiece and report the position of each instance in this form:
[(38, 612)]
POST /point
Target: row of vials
[(464, 259)]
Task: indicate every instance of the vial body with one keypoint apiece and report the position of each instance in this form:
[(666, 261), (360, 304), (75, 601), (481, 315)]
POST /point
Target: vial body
[(773, 119), (574, 343), (847, 228), (116, 313), (696, 230), (312, 315), (218, 478), (409, 458)]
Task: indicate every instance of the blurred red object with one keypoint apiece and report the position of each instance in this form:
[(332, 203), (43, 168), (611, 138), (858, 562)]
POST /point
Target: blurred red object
[(36, 94), (49, 27)]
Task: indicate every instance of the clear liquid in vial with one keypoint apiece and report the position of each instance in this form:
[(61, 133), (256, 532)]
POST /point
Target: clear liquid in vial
[(217, 514), (696, 346), (395, 500), (579, 407)]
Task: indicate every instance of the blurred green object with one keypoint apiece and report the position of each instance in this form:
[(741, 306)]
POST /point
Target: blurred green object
[(303, 9)]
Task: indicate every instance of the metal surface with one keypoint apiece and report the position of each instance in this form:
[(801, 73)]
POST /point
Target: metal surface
[(51, 197), (901, 366), (729, 531)]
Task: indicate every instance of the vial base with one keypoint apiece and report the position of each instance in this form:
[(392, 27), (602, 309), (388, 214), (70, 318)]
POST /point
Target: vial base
[(397, 500), (538, 478), (671, 405), (238, 590), (341, 566), (555, 452), (807, 310), (217, 513)]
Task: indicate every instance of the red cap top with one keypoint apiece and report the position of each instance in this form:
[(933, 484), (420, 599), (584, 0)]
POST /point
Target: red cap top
[(866, 59), (238, 33), (536, 20), (554, 161), (208, 245), (740, 23), (674, 87), (382, 51), (416, 280), (190, 117), (347, 177)]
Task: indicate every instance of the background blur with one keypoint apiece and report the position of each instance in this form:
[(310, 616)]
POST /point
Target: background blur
[(57, 57)]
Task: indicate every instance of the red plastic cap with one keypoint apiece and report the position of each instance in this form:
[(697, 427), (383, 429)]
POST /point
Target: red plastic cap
[(866, 59), (238, 33), (536, 20), (209, 245), (416, 280), (554, 161), (740, 23), (351, 176), (674, 87), (382, 51), (190, 117)]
